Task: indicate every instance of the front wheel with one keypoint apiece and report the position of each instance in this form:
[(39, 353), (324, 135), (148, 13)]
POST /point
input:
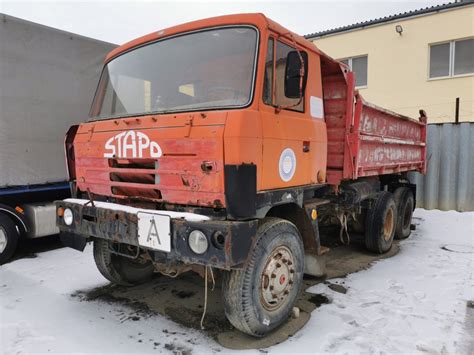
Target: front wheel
[(119, 269), (261, 296)]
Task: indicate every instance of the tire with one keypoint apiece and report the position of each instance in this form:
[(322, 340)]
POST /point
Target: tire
[(276, 260), (405, 206), (8, 238), (380, 224), (118, 269)]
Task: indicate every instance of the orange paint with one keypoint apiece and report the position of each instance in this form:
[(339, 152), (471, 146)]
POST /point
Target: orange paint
[(169, 150)]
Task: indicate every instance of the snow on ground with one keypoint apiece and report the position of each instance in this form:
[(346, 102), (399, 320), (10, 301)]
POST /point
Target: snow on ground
[(39, 315), (414, 302)]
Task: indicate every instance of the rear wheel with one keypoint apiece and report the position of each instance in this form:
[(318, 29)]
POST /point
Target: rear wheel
[(120, 269), (381, 223), (8, 238), (405, 206), (261, 296)]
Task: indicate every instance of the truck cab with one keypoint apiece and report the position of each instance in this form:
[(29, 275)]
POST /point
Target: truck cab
[(207, 149), (174, 110)]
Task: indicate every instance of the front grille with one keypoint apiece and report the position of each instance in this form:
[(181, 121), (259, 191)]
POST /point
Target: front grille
[(134, 178), (148, 179), (136, 192), (133, 163)]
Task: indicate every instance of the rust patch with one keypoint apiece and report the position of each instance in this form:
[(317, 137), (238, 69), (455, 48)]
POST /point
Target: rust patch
[(218, 204), (207, 166), (185, 181)]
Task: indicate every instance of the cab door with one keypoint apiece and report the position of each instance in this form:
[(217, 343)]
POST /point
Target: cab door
[(292, 139)]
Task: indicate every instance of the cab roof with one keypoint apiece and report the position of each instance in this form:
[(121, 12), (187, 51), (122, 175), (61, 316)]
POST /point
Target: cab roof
[(258, 20)]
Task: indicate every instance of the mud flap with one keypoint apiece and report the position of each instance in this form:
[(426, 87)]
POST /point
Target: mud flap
[(315, 265), (72, 240), (241, 190)]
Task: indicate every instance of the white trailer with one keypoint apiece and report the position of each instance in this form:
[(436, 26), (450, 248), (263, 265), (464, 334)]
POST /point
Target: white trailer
[(47, 79)]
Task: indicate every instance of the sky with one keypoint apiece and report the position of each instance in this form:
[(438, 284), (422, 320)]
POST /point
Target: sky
[(122, 21)]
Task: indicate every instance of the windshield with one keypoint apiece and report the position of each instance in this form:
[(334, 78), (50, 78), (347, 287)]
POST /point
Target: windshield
[(202, 70)]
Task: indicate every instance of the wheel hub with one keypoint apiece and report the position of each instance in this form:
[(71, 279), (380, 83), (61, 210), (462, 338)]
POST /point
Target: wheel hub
[(3, 240), (277, 278), (388, 225)]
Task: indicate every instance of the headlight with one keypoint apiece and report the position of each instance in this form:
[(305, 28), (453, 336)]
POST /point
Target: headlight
[(68, 216), (198, 242)]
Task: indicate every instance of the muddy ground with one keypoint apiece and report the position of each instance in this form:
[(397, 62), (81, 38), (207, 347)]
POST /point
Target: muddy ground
[(181, 299)]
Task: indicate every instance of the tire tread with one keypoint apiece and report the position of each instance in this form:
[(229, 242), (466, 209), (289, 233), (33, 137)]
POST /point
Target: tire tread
[(12, 238), (402, 195), (374, 223), (103, 260), (237, 299)]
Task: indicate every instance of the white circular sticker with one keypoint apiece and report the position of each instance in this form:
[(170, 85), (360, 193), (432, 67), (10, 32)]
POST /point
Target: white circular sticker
[(287, 164)]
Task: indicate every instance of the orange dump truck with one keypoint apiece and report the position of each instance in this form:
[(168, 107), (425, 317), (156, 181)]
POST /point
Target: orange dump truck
[(225, 145)]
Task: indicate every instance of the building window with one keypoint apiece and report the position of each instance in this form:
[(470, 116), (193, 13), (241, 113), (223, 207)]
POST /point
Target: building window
[(359, 66), (452, 58)]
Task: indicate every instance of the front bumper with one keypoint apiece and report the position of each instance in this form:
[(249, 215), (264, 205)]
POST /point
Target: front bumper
[(119, 224)]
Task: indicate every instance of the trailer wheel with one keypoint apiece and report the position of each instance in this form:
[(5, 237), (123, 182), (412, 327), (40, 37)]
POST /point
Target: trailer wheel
[(381, 223), (119, 269), (8, 238), (405, 206), (261, 296)]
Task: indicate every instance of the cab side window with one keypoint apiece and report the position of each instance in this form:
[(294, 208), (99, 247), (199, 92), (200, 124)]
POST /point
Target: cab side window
[(277, 71), (268, 80), (282, 51)]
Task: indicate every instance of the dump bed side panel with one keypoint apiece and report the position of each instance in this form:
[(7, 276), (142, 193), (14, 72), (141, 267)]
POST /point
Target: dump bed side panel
[(384, 142), (363, 139)]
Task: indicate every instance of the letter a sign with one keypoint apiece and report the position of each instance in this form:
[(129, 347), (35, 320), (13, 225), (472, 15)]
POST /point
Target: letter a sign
[(154, 231)]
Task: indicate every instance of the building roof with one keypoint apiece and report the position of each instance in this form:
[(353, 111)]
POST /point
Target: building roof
[(380, 20)]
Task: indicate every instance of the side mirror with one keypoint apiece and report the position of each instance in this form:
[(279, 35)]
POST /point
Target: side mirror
[(293, 74)]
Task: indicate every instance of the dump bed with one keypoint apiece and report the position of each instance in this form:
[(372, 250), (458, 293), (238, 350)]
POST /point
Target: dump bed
[(363, 139), (384, 142), (47, 81)]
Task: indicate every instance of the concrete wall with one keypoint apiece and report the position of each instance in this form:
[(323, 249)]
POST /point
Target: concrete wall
[(398, 64)]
